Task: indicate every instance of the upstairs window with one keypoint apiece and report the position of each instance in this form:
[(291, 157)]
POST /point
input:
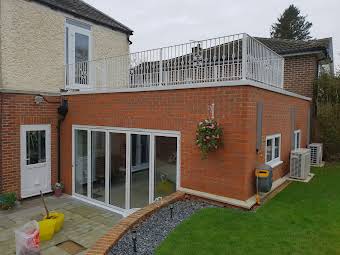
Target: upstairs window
[(297, 139), (273, 149), (77, 52)]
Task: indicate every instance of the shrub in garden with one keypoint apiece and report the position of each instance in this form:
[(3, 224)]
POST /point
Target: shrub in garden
[(327, 109), (7, 200)]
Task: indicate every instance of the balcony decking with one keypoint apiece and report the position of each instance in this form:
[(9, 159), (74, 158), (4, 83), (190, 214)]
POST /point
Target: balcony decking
[(224, 59)]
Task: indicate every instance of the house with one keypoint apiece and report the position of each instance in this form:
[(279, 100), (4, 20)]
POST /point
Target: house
[(304, 61), (38, 38), (125, 132)]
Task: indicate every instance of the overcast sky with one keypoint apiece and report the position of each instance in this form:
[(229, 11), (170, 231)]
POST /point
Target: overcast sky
[(158, 23)]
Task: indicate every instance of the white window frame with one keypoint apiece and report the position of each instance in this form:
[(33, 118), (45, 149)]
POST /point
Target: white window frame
[(297, 143), (274, 161), (128, 132)]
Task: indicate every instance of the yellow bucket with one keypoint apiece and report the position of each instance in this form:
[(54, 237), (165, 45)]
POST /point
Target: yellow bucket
[(47, 227), (59, 220)]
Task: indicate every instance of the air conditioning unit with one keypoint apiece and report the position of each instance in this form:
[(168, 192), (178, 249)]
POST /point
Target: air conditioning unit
[(300, 164), (316, 154)]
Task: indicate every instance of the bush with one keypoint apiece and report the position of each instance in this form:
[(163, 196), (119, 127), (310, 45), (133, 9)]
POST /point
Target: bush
[(327, 105), (7, 200)]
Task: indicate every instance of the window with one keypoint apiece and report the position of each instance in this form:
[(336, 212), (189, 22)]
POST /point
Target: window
[(35, 147), (77, 51), (273, 149), (297, 139)]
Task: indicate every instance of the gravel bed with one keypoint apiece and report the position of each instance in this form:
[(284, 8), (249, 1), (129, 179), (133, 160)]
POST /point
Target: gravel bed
[(152, 231)]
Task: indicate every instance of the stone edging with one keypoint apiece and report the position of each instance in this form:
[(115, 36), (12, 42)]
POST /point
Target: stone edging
[(106, 242)]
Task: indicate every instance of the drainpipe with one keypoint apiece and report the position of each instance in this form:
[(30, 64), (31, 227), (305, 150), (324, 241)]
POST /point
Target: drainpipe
[(59, 148), (62, 111), (1, 112)]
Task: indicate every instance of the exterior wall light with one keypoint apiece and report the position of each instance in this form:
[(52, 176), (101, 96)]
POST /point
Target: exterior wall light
[(39, 99)]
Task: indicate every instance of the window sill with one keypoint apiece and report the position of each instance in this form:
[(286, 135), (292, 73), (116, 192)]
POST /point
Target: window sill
[(275, 163)]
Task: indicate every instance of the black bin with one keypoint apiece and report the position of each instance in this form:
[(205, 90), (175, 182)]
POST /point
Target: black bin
[(264, 178)]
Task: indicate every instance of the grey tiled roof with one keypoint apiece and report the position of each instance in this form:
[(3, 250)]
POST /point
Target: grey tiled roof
[(284, 46), (83, 10)]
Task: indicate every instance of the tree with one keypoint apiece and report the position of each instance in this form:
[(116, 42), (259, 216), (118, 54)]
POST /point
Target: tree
[(291, 25)]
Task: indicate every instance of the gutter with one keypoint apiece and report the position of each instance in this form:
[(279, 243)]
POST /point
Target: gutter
[(305, 53)]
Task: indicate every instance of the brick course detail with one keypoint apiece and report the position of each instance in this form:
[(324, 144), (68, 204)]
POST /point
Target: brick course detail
[(17, 110), (228, 172)]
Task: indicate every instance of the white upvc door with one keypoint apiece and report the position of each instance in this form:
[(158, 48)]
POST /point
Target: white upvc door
[(35, 144), (78, 49), (133, 175)]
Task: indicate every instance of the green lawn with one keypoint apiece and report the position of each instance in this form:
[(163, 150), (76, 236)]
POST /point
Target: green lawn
[(302, 219)]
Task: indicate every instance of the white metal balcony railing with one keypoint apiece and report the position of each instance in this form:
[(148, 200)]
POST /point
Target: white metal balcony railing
[(226, 58)]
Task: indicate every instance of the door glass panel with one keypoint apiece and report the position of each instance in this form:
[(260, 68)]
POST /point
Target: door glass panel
[(98, 165), (117, 169), (35, 147), (81, 48), (81, 162), (81, 58), (165, 165), (140, 150)]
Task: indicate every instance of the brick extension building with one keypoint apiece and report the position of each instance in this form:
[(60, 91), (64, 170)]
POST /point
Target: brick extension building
[(129, 134)]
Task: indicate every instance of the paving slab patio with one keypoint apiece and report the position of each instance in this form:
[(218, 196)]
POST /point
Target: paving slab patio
[(84, 223)]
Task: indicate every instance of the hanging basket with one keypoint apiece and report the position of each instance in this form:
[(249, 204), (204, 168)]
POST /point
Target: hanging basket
[(208, 136)]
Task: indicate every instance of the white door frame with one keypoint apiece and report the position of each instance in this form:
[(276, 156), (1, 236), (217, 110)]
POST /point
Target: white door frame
[(23, 159), (72, 30), (128, 132)]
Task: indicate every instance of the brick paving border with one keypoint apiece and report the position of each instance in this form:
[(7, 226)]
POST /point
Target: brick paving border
[(106, 242)]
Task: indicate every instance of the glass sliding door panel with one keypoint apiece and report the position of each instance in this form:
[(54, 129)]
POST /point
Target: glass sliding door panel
[(139, 152), (117, 169), (165, 166), (81, 162), (139, 186), (98, 165)]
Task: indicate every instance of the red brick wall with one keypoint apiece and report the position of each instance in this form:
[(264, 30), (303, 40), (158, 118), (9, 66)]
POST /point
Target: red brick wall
[(227, 172), (277, 119), (20, 109), (300, 73)]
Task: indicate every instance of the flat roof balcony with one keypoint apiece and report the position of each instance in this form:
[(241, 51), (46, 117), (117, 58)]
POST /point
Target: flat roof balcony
[(212, 61)]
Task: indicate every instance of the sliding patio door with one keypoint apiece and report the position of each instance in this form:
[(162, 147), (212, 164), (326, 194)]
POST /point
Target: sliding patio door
[(81, 162), (140, 170), (165, 176), (117, 169), (123, 169), (98, 151)]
